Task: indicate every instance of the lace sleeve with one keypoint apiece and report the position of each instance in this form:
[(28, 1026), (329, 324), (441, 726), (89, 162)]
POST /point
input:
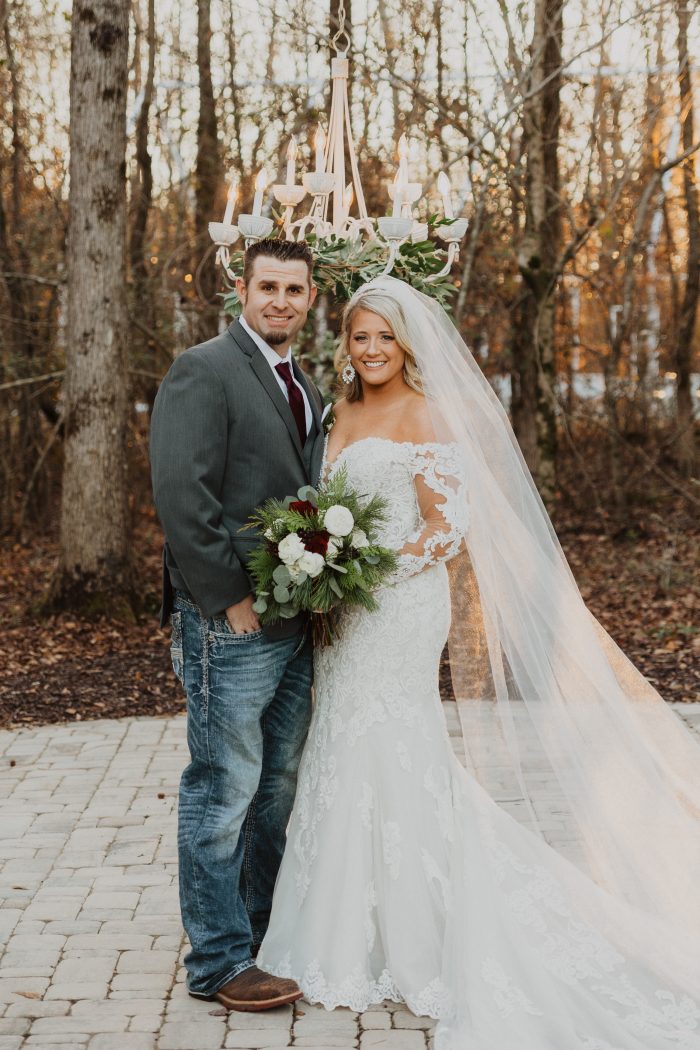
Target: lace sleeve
[(440, 484)]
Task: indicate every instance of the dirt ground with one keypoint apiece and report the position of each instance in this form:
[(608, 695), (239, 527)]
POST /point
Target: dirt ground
[(642, 582)]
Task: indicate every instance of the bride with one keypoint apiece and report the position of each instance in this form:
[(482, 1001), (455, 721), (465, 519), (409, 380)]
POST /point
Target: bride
[(403, 876)]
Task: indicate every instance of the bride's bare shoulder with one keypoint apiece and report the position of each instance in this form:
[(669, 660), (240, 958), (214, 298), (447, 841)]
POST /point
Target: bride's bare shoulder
[(419, 426), (339, 407)]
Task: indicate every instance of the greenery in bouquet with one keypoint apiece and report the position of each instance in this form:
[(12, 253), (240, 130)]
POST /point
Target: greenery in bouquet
[(318, 552)]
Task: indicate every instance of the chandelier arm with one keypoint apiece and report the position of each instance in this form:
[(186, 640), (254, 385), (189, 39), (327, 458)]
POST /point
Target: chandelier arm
[(338, 111), (359, 192), (393, 252), (329, 151), (223, 258), (452, 254)]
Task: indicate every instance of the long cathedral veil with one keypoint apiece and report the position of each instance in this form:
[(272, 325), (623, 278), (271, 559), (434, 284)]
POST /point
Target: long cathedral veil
[(555, 719)]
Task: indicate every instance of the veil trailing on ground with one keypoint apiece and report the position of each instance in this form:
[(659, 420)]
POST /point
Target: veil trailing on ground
[(550, 707)]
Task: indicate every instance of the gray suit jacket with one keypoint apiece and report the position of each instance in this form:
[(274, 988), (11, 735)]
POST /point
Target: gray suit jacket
[(223, 440)]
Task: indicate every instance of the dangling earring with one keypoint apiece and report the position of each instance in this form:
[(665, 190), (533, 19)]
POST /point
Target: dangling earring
[(348, 373)]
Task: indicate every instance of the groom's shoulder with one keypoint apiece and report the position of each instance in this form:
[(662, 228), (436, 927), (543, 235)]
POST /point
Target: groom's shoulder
[(217, 355)]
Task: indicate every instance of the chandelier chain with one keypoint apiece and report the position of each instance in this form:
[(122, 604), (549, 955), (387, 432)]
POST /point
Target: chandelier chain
[(341, 31)]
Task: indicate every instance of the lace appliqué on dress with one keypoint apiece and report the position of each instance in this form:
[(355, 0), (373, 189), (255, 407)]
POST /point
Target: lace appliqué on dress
[(440, 482)]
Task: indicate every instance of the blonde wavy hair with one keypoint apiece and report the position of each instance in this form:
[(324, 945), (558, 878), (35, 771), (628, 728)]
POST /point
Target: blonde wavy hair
[(386, 307)]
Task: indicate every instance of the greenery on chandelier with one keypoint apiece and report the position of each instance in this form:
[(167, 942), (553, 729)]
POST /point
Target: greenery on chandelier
[(342, 265)]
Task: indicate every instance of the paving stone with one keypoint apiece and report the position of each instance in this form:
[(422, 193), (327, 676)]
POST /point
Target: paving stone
[(253, 1039), (280, 1018), (51, 909), (405, 1019), (137, 1007), (376, 1019), (57, 1042), (143, 983), (195, 1035), (393, 1040), (83, 1024), (331, 1022), (100, 969), (147, 962), (13, 989), (122, 1041), (38, 1008), (29, 942), (110, 941), (111, 900), (329, 1041), (14, 1025), (78, 990)]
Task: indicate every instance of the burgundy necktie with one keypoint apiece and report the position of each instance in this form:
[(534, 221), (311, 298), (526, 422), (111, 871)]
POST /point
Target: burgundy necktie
[(296, 399)]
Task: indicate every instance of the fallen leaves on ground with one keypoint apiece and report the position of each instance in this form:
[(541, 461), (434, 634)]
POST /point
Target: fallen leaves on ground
[(641, 582)]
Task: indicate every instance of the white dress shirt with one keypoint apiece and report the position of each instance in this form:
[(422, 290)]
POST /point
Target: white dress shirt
[(273, 359)]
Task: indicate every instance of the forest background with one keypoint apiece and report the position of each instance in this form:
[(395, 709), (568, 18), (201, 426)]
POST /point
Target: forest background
[(569, 130)]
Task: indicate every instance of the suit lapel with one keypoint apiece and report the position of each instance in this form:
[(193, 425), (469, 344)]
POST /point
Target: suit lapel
[(264, 373), (310, 392)]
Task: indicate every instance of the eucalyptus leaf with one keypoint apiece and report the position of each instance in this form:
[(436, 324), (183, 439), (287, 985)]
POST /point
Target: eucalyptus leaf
[(338, 568), (372, 559), (259, 606), (309, 493), (281, 595), (335, 586), (287, 612), (282, 576)]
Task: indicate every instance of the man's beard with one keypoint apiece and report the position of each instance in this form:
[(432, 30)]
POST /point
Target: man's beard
[(276, 338)]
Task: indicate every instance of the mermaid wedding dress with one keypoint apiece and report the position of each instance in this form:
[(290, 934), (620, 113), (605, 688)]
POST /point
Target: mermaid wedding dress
[(402, 879)]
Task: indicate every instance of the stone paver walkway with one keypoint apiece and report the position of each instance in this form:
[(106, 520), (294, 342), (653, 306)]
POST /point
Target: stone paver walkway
[(90, 932)]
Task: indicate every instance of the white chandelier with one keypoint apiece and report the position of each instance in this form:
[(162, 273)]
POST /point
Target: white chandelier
[(329, 192)]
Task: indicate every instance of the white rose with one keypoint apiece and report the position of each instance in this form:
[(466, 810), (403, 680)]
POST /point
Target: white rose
[(295, 571), (291, 548), (359, 539), (335, 546), (311, 563), (338, 521)]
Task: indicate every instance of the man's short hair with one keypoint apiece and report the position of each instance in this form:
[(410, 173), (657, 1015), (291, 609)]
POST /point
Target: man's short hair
[(274, 248)]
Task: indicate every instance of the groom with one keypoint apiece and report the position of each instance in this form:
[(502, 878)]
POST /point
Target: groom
[(236, 422)]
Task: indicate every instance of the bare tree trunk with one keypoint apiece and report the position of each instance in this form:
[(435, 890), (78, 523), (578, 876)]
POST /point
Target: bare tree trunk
[(93, 572), (143, 184), (21, 333), (391, 46), (209, 174), (685, 442), (532, 342)]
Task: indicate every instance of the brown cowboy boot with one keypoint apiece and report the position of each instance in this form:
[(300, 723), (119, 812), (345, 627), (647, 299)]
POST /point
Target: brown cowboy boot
[(255, 990)]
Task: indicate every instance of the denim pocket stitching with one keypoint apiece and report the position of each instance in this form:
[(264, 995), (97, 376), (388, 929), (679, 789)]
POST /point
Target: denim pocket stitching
[(205, 671), (177, 654), (229, 636)]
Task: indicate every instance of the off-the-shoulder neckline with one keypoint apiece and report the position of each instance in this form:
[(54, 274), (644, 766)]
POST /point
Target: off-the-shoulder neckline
[(388, 441)]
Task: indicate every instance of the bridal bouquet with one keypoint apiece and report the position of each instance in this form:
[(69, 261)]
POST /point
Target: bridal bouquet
[(318, 554)]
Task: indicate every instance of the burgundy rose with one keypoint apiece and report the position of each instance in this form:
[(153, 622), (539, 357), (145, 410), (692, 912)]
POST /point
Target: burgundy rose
[(316, 542), (302, 506)]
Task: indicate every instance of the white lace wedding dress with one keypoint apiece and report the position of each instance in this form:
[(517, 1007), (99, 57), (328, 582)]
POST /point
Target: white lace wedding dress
[(402, 879)]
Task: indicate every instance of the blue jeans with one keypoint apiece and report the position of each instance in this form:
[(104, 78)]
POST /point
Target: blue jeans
[(248, 713)]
